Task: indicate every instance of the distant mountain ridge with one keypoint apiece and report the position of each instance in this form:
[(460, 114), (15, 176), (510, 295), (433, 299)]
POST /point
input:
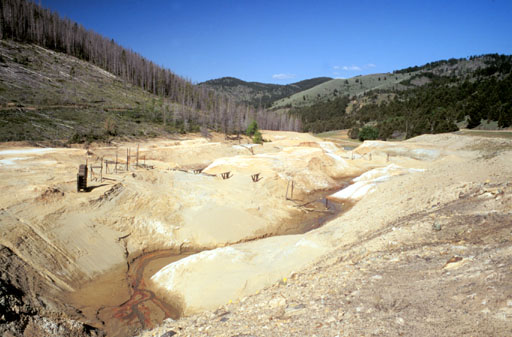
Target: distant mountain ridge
[(259, 94), (323, 89)]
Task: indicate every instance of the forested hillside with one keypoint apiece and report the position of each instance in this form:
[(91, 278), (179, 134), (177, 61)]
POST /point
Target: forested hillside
[(59, 79), (436, 97), (259, 94), (194, 106)]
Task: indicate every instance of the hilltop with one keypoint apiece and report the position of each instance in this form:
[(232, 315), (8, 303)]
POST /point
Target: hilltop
[(259, 94), (398, 80), (334, 88), (439, 96)]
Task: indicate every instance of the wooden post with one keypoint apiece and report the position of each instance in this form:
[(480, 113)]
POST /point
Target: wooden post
[(116, 162), (127, 159), (291, 197), (255, 177), (101, 170), (286, 196), (137, 164), (90, 170), (326, 203)]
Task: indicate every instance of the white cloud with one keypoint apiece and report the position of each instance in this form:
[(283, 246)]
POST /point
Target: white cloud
[(354, 67), (283, 76), (351, 68)]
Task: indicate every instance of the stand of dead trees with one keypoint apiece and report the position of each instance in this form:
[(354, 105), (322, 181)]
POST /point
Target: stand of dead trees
[(26, 21)]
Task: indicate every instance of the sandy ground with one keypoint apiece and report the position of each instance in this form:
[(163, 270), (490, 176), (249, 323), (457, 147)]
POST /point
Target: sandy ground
[(80, 247), (424, 254)]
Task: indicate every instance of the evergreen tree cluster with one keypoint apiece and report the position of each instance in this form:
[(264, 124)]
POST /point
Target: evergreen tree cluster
[(324, 116), (437, 106)]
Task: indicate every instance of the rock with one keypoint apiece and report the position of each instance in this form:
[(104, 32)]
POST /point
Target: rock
[(294, 311), (277, 302), (453, 262), (169, 333), (436, 226)]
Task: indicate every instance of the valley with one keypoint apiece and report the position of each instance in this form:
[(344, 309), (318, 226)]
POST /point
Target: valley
[(365, 191), (146, 244)]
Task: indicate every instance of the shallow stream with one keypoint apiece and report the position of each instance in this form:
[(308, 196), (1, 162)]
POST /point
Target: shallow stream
[(119, 301)]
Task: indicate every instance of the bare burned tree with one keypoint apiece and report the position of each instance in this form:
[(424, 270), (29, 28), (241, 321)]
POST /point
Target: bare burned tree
[(25, 21)]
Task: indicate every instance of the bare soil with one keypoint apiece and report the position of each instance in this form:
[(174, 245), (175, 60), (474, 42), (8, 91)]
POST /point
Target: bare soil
[(119, 303), (443, 271), (425, 253)]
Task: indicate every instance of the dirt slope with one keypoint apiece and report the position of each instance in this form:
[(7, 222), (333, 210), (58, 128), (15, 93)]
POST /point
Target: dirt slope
[(82, 248), (425, 248), (423, 254)]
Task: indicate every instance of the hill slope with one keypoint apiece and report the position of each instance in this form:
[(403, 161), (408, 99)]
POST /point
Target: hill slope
[(46, 95), (396, 81), (340, 87), (27, 22), (259, 94), (436, 97)]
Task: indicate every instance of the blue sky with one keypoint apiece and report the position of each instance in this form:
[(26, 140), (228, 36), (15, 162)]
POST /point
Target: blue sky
[(288, 41)]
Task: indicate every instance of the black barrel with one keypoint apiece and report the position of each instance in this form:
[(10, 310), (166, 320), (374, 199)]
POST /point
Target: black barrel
[(81, 178)]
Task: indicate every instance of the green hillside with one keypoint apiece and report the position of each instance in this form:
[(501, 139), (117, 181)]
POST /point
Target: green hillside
[(115, 81), (437, 97), (259, 94), (384, 82), (341, 87)]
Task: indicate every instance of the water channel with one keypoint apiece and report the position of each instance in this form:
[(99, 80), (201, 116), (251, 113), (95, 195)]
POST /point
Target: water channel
[(119, 302)]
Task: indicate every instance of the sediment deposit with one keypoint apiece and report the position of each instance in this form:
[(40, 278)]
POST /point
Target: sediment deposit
[(171, 236)]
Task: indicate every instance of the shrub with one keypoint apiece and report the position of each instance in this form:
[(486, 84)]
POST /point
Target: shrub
[(353, 133), (368, 133), (87, 137), (110, 127), (252, 129), (257, 138)]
